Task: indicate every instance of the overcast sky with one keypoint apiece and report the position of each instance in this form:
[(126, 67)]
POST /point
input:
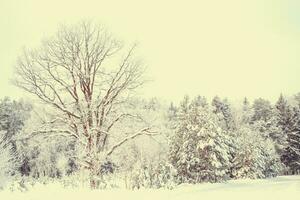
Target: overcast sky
[(231, 48)]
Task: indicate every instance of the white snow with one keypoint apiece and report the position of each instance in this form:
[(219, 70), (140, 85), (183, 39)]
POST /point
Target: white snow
[(280, 188)]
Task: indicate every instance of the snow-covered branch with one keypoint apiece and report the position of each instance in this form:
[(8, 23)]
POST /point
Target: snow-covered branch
[(144, 131)]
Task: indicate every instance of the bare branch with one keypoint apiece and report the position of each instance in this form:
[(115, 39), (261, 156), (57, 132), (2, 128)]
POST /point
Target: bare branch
[(144, 131)]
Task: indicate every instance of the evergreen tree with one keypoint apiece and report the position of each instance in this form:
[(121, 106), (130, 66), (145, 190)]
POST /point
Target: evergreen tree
[(282, 120), (223, 110), (284, 113), (199, 150), (246, 112), (266, 120), (291, 154), (200, 101), (217, 105), (297, 99), (172, 111), (262, 110), (254, 153), (255, 156)]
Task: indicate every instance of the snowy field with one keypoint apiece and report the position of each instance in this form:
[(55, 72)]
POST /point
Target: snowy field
[(280, 188)]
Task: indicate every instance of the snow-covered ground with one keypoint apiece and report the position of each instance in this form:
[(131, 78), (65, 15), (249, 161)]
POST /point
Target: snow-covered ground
[(283, 188)]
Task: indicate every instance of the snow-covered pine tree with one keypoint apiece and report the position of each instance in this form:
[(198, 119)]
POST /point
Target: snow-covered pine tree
[(281, 119), (246, 111), (262, 110), (266, 120), (254, 152), (227, 121), (255, 156), (223, 110), (200, 101), (198, 149), (296, 98), (269, 129), (284, 113), (177, 139), (172, 111), (291, 154)]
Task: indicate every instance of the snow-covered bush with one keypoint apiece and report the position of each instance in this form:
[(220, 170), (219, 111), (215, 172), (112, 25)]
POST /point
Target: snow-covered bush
[(42, 157), (152, 175)]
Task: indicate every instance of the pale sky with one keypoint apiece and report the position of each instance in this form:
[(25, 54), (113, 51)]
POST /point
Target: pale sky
[(231, 48)]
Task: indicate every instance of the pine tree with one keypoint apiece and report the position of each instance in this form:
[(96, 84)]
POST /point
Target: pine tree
[(200, 101), (269, 120), (254, 153), (178, 138), (246, 112), (223, 110), (217, 105), (284, 113), (262, 110), (172, 111), (282, 120), (255, 156), (297, 99), (291, 154), (199, 150)]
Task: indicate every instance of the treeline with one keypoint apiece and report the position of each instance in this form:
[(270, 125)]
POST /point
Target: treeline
[(199, 141), (216, 142)]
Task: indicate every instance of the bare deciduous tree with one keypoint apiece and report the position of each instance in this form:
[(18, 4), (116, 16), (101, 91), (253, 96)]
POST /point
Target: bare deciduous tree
[(85, 74)]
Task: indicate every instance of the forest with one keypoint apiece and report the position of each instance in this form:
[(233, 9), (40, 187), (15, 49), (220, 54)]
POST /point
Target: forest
[(87, 125)]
